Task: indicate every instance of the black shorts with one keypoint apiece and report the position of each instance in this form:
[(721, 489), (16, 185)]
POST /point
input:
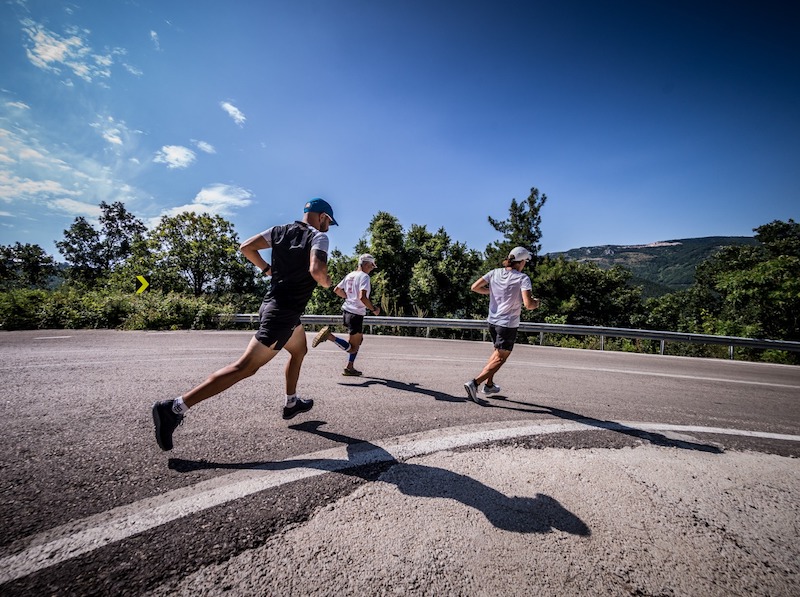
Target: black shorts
[(353, 322), (503, 338), (276, 325)]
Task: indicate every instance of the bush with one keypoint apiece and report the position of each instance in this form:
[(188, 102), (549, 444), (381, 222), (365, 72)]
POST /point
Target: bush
[(20, 309)]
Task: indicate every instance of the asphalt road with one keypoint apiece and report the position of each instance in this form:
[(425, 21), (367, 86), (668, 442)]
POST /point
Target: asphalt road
[(92, 506)]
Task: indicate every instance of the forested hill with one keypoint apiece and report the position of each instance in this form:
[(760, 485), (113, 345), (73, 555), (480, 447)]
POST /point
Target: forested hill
[(660, 267)]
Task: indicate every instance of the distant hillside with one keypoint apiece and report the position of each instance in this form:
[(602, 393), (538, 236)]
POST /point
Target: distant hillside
[(659, 267)]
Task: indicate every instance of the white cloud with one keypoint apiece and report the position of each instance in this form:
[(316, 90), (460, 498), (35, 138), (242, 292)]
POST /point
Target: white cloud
[(31, 175), (18, 105), (204, 146), (52, 52), (215, 199), (175, 156), (136, 72), (16, 188), (154, 39), (233, 112), (115, 132), (29, 153), (76, 208)]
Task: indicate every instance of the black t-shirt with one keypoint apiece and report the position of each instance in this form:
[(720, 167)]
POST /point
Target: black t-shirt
[(292, 284)]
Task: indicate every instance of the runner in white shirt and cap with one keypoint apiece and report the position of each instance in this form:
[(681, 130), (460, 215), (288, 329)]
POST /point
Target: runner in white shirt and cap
[(355, 290), (508, 289)]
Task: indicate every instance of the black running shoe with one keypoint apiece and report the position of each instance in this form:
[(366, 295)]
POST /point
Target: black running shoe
[(166, 421), (299, 406)]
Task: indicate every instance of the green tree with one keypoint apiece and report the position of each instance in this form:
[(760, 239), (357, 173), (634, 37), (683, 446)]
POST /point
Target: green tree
[(584, 294), (81, 250), (25, 266), (202, 249), (441, 274), (92, 252), (522, 228), (385, 240)]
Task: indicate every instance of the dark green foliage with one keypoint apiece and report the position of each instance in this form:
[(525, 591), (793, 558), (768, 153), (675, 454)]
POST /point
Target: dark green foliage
[(92, 253), (521, 229), (584, 294), (71, 308), (25, 266), (203, 250)]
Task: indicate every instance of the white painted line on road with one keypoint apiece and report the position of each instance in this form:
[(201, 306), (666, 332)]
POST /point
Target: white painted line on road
[(84, 536), (51, 337), (529, 364)]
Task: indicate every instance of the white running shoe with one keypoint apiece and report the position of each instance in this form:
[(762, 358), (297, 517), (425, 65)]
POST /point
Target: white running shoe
[(472, 391), (491, 389)]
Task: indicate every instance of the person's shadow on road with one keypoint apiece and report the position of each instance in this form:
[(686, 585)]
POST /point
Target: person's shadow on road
[(657, 439), (404, 387), (539, 514)]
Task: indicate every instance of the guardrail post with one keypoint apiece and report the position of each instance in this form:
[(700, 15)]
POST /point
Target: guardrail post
[(602, 342), (541, 338), (730, 351), (662, 348)]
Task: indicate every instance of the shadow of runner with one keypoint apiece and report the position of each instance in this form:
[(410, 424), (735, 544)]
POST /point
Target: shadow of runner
[(405, 387), (540, 514), (657, 439)]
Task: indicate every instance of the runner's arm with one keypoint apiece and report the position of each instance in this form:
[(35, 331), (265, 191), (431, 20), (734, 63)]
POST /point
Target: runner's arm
[(480, 286), (368, 303), (318, 268), (531, 303), (250, 249)]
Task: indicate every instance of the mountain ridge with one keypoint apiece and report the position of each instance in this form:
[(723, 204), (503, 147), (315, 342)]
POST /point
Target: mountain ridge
[(659, 267)]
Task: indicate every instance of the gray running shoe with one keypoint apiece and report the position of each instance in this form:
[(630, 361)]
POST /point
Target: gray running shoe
[(351, 372), (299, 406), (321, 336), (472, 391), (166, 422), (494, 389)]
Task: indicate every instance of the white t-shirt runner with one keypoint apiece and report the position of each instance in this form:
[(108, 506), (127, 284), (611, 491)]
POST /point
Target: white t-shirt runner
[(353, 284), (505, 296)]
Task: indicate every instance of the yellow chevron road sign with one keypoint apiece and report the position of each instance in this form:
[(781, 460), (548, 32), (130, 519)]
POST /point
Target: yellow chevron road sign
[(144, 285)]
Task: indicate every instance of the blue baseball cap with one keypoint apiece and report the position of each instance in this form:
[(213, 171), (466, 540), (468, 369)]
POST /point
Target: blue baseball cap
[(320, 206)]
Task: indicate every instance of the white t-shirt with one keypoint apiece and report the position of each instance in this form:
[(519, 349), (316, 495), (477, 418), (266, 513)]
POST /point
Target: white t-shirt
[(353, 284), (505, 296)]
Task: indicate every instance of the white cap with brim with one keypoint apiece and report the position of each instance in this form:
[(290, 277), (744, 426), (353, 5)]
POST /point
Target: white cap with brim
[(520, 253), (367, 258)]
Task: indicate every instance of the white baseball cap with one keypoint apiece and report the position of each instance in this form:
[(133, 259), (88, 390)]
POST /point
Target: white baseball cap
[(367, 258), (520, 253)]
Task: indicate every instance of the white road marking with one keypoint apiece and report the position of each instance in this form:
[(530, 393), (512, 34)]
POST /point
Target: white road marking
[(79, 537), (529, 364), (51, 337)]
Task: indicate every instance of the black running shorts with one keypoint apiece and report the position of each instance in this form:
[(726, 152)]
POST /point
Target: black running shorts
[(276, 326), (503, 338), (353, 322)]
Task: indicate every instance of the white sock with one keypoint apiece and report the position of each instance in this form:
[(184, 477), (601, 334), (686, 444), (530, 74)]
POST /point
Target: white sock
[(290, 400), (179, 407)]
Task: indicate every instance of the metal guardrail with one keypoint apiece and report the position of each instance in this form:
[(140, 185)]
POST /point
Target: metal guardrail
[(546, 328)]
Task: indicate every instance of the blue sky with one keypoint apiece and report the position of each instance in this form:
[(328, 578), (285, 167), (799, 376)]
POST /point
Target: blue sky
[(641, 121)]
